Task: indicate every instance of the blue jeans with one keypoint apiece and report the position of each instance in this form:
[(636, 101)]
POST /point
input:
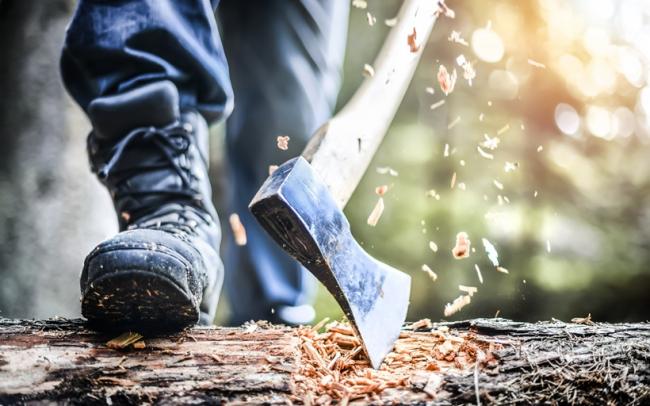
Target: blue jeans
[(285, 58)]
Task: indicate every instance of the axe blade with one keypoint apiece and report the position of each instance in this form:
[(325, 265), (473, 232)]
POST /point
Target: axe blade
[(295, 207)]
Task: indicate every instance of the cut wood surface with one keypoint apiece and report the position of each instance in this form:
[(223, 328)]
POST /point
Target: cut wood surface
[(491, 361)]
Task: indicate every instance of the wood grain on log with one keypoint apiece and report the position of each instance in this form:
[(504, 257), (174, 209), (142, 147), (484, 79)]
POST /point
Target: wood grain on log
[(561, 363), (549, 362), (62, 361)]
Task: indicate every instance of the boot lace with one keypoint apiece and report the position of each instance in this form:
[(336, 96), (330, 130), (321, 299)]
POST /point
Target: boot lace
[(173, 142)]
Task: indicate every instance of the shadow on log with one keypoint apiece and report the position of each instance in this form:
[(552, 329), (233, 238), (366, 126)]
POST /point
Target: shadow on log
[(548, 362)]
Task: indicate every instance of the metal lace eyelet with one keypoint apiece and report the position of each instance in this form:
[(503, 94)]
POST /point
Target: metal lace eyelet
[(102, 173)]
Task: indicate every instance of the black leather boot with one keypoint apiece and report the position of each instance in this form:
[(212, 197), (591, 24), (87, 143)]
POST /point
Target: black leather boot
[(162, 271)]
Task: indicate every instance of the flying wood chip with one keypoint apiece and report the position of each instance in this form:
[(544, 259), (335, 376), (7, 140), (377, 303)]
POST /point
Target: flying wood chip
[(433, 193), (381, 190), (484, 154), (490, 143), (425, 268), (453, 123), (437, 104), (283, 142), (536, 64), (446, 80), (422, 324), (510, 166), (376, 213), (444, 9), (470, 290), (583, 320), (491, 252), (238, 230), (368, 71), (411, 41), (502, 269), (503, 129), (383, 170), (371, 19), (462, 248), (469, 73), (456, 37), (455, 306), (478, 273)]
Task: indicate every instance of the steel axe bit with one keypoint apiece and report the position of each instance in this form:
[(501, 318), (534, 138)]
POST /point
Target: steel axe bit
[(301, 203)]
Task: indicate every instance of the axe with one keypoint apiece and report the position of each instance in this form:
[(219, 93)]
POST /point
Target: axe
[(301, 203)]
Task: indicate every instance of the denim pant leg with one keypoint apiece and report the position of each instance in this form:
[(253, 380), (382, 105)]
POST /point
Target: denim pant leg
[(285, 64), (114, 46)]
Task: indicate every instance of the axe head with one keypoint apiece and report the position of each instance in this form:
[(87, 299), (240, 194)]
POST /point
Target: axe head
[(295, 207)]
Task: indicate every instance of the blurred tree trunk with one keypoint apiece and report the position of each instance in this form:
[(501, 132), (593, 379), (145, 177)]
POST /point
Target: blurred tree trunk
[(52, 211)]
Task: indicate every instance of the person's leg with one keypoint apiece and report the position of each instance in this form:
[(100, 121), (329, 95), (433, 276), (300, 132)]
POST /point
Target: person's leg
[(285, 61), (115, 46), (149, 74)]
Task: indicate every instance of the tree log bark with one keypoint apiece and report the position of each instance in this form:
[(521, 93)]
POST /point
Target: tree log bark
[(548, 362)]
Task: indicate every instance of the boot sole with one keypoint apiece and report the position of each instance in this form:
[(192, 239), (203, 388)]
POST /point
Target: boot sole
[(137, 300)]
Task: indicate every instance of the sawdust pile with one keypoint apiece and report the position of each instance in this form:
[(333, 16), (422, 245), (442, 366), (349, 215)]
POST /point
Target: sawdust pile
[(335, 369)]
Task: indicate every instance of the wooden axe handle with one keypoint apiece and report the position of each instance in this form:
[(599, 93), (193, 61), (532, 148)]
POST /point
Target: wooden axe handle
[(341, 150)]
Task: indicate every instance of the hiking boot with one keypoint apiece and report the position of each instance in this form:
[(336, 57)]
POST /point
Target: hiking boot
[(162, 272)]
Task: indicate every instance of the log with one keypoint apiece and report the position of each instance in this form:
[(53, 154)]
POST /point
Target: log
[(61, 361)]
